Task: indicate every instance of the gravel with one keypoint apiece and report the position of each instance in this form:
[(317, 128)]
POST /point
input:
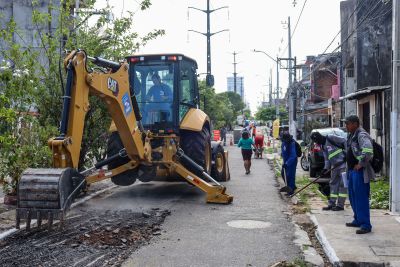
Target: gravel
[(95, 238)]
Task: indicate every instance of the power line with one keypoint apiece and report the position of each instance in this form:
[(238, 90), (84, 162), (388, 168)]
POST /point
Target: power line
[(298, 19), (344, 24), (347, 38), (295, 27)]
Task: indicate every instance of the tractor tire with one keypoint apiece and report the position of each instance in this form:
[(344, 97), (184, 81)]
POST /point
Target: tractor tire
[(114, 145), (218, 170), (197, 146)]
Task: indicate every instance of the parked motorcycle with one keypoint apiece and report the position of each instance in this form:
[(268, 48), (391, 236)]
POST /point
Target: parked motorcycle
[(305, 159)]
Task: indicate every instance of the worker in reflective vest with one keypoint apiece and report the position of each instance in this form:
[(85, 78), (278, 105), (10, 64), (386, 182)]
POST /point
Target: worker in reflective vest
[(333, 147)]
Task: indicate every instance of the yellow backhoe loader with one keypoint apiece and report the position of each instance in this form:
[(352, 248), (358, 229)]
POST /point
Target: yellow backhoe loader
[(158, 133)]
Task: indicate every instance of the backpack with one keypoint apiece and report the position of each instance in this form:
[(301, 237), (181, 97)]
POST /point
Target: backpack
[(377, 160), (298, 149)]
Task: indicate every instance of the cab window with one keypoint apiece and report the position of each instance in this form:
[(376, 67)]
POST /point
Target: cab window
[(186, 89)]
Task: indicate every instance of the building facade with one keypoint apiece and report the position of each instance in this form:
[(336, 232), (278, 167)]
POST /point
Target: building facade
[(230, 81), (366, 66), (27, 33), (318, 92)]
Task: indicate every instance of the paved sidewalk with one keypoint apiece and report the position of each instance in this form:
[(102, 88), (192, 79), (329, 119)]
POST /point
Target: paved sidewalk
[(345, 248)]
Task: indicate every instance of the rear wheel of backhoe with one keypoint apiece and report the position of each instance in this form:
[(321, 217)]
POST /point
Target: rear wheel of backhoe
[(197, 146), (218, 170), (113, 147)]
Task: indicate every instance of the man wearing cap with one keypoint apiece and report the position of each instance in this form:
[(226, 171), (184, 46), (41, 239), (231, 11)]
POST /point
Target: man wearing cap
[(333, 147), (159, 98), (159, 92), (359, 173)]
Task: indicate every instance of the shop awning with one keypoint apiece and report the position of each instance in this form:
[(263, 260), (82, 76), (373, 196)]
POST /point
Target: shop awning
[(364, 92)]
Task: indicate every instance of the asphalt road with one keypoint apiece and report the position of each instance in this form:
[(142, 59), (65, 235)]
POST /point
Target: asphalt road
[(198, 234)]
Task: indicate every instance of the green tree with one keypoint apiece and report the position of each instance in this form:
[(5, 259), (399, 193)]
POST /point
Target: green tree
[(222, 108), (33, 91), (269, 114), (236, 101)]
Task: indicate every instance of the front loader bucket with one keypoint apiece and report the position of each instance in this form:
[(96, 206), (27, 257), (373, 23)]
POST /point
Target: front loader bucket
[(45, 194)]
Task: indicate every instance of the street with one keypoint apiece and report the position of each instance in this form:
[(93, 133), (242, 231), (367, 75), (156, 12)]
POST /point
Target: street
[(126, 132), (193, 234)]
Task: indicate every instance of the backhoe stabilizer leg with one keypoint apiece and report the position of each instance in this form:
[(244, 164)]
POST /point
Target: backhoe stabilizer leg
[(215, 193)]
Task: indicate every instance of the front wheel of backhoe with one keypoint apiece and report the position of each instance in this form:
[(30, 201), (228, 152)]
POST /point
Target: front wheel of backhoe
[(218, 170), (114, 145), (197, 146)]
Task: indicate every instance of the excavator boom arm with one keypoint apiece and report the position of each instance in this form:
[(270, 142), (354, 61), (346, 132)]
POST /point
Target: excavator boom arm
[(113, 89)]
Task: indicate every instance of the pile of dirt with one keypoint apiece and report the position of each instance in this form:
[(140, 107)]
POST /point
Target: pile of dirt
[(95, 238)]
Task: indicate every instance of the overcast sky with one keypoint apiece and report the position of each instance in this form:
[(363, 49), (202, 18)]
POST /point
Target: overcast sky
[(253, 24)]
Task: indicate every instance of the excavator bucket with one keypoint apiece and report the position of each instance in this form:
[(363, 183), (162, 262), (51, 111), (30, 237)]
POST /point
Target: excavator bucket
[(45, 194)]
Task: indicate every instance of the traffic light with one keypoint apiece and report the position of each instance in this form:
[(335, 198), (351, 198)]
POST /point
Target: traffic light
[(210, 80)]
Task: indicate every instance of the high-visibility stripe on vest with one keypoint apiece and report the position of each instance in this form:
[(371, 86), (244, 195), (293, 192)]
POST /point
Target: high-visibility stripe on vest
[(368, 150), (335, 153)]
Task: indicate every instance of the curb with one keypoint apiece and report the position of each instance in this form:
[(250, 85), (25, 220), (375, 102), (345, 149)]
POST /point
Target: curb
[(309, 252), (12, 231), (329, 251), (302, 239)]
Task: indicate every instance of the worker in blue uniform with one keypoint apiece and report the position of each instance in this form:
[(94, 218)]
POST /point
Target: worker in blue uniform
[(289, 161), (359, 173)]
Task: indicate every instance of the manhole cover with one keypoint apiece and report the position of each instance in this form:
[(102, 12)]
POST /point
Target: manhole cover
[(248, 224)]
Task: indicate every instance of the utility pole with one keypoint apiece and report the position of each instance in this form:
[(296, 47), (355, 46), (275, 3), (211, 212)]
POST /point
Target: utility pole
[(395, 119), (277, 101), (294, 93), (242, 88), (234, 72), (208, 34), (270, 87), (277, 61), (292, 107)]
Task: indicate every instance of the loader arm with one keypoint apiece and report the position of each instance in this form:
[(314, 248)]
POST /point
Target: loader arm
[(113, 89)]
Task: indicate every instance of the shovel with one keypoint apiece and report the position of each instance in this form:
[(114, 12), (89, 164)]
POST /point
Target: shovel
[(286, 188), (313, 182)]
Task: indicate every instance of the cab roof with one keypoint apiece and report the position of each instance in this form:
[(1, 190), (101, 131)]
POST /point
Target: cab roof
[(166, 57)]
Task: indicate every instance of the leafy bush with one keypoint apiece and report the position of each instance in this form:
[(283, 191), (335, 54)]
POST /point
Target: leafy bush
[(30, 79), (380, 194)]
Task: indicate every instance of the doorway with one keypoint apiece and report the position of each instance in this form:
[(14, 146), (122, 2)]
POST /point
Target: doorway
[(366, 123)]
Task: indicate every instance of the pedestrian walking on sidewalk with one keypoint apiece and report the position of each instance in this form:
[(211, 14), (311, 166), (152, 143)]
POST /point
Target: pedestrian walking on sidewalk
[(359, 173), (333, 147), (246, 144), (289, 157)]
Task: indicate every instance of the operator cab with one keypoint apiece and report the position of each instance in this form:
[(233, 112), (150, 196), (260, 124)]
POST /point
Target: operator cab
[(161, 83)]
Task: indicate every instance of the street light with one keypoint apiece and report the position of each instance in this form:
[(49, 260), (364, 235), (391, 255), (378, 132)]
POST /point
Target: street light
[(259, 51), (277, 80)]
